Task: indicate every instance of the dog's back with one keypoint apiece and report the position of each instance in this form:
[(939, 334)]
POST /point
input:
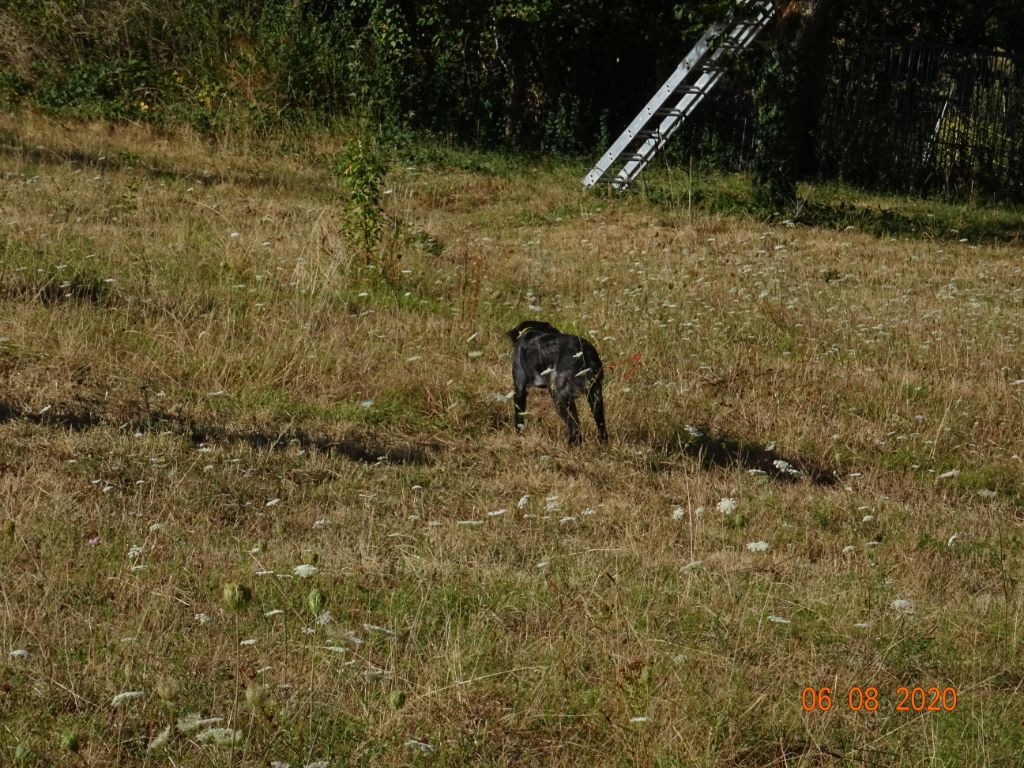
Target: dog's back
[(567, 365)]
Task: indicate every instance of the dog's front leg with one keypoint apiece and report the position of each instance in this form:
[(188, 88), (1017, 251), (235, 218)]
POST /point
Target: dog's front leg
[(519, 402)]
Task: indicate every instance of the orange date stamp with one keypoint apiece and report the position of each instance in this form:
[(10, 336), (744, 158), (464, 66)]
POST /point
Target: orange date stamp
[(907, 699)]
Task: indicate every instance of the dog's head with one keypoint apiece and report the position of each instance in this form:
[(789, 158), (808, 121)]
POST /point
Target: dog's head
[(528, 327)]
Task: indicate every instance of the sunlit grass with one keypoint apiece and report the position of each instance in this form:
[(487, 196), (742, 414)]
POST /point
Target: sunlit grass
[(812, 479)]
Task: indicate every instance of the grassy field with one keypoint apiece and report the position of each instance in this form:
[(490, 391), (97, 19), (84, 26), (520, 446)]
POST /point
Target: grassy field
[(813, 480)]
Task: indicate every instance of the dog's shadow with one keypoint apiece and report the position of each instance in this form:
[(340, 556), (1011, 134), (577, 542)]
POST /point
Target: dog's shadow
[(726, 452)]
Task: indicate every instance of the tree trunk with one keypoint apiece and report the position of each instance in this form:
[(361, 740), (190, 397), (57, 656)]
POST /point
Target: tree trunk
[(788, 100)]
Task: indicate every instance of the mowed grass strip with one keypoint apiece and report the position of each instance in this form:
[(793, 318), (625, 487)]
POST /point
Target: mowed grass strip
[(191, 353)]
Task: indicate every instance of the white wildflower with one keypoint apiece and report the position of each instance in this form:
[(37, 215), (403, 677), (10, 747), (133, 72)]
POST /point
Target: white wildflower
[(727, 505), (567, 520), (193, 721), (757, 546), (324, 618), (497, 512), (778, 620), (848, 549), (952, 539), (379, 629), (468, 523), (272, 503), (304, 571), (135, 552), (987, 493), (692, 565), (786, 468), (126, 696), (248, 641), (317, 764), (552, 504), (202, 619), (420, 746), (160, 739), (903, 606), (951, 473), (523, 501), (374, 673), (678, 514), (639, 719), (222, 737), (19, 653)]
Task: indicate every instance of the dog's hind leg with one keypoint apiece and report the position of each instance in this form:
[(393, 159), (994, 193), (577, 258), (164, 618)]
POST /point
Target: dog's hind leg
[(519, 401), (596, 401), (571, 417)]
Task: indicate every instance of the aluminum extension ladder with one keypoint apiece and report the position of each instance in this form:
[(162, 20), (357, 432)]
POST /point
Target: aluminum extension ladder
[(691, 81)]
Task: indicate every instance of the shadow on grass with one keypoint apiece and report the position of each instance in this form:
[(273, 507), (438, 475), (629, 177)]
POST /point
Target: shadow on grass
[(726, 452), (14, 147), (367, 449), (881, 221)]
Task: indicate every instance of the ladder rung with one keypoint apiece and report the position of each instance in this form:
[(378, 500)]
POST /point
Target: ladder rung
[(693, 89)]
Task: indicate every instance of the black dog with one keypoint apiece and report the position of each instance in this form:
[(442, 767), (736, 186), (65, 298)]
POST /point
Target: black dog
[(567, 365)]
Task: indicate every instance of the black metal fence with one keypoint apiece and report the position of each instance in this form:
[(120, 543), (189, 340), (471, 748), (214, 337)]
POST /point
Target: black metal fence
[(920, 116), (897, 115)]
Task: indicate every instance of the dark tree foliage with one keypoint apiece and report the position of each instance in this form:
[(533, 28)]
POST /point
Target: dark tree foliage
[(538, 74)]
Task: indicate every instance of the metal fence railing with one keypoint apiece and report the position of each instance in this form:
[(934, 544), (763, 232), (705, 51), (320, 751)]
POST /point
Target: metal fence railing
[(923, 116)]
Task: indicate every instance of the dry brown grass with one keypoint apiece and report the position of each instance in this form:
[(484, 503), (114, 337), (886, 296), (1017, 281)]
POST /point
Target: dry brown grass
[(188, 362)]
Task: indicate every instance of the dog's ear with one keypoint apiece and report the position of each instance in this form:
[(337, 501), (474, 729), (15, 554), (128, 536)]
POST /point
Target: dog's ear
[(516, 332), (536, 326)]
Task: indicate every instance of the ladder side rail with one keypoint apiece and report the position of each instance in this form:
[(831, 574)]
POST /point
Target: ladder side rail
[(742, 34), (739, 35), (696, 54), (668, 126)]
